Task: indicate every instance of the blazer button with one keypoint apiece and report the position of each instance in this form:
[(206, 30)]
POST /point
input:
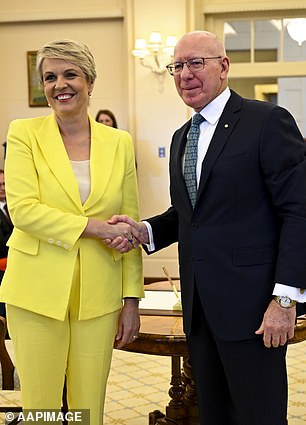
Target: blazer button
[(194, 226), (51, 240), (66, 246), (58, 243)]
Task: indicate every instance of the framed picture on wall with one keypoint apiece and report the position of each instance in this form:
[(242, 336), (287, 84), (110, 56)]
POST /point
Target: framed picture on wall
[(36, 92)]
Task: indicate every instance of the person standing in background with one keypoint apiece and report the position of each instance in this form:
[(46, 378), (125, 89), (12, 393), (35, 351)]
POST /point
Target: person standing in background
[(105, 116), (238, 213), (6, 228), (69, 297)]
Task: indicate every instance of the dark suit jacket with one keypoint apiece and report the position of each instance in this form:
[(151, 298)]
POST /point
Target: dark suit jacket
[(248, 228), (6, 228)]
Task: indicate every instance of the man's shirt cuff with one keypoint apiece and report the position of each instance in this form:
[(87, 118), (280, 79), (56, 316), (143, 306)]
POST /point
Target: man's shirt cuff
[(150, 246), (292, 292)]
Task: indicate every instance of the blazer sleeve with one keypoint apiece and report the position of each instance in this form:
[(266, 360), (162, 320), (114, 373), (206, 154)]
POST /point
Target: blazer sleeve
[(27, 212), (164, 229), (132, 271)]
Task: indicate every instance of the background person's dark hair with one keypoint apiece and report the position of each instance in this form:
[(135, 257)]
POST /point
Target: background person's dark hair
[(4, 149), (110, 114)]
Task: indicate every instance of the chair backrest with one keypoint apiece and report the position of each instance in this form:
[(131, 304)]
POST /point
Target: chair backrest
[(299, 330), (7, 366)]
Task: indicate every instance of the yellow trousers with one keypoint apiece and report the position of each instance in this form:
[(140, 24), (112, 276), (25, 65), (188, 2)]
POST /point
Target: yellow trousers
[(46, 350)]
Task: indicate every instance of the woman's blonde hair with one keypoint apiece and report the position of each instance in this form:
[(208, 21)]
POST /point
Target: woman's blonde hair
[(71, 51)]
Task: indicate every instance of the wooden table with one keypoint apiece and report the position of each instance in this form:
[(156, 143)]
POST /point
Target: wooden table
[(163, 335)]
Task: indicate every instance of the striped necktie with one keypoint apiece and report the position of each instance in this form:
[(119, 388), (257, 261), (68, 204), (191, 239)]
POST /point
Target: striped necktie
[(191, 156)]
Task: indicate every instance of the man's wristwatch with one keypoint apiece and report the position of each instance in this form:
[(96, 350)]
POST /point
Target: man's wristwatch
[(284, 301)]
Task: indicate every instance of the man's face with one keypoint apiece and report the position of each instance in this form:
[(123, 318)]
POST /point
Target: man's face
[(2, 187), (199, 88)]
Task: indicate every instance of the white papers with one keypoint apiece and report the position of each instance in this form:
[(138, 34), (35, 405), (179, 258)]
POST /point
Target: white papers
[(158, 300)]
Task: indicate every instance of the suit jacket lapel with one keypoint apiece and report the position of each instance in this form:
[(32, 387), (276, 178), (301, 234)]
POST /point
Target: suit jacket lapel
[(102, 153), (53, 149), (223, 130), (102, 156), (5, 223)]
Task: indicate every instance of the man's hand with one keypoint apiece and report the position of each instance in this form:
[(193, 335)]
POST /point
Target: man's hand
[(278, 324), (139, 234), (103, 230), (129, 323)]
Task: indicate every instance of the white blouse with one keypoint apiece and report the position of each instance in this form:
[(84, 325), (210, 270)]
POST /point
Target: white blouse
[(81, 171)]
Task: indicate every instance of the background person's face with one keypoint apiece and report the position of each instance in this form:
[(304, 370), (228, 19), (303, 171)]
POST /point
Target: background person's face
[(105, 119)]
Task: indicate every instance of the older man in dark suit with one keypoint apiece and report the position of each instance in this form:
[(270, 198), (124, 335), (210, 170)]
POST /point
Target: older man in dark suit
[(238, 193)]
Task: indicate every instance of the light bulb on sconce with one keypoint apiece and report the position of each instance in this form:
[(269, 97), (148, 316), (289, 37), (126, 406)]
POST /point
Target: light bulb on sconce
[(154, 54), (297, 29)]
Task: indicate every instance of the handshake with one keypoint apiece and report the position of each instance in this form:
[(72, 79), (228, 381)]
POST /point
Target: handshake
[(134, 234), (120, 232)]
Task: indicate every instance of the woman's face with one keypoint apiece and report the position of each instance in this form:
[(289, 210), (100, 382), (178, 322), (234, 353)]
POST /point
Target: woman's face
[(105, 119), (65, 87)]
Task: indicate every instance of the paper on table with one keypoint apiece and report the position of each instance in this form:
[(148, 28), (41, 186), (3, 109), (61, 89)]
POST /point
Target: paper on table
[(158, 300)]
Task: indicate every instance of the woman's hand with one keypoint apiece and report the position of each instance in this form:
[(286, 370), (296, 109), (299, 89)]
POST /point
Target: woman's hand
[(129, 323), (139, 231), (108, 232)]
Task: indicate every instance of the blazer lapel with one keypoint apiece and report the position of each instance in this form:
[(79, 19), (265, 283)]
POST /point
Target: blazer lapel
[(5, 223), (223, 130), (102, 155), (53, 149)]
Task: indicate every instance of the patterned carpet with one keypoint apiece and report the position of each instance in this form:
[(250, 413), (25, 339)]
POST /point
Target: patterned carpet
[(139, 384)]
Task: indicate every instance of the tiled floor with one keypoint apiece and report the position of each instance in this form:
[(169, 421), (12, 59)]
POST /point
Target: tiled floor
[(139, 384), (296, 361)]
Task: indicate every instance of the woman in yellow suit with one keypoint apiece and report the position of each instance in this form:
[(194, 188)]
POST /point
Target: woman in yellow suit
[(66, 175)]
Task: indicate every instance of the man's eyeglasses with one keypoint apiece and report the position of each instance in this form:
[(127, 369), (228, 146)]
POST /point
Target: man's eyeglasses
[(196, 64)]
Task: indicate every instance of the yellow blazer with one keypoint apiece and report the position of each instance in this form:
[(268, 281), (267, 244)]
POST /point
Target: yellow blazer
[(45, 206)]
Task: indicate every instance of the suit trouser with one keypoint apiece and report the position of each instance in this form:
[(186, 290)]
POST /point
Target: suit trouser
[(238, 382), (47, 349)]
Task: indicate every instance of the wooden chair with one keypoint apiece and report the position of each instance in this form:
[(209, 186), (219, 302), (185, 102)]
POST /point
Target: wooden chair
[(10, 398), (299, 330)]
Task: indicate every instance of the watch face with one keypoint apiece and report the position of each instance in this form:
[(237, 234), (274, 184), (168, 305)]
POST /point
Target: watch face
[(285, 301)]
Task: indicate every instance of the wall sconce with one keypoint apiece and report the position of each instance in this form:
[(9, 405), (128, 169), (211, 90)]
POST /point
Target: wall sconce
[(155, 55), (297, 30)]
